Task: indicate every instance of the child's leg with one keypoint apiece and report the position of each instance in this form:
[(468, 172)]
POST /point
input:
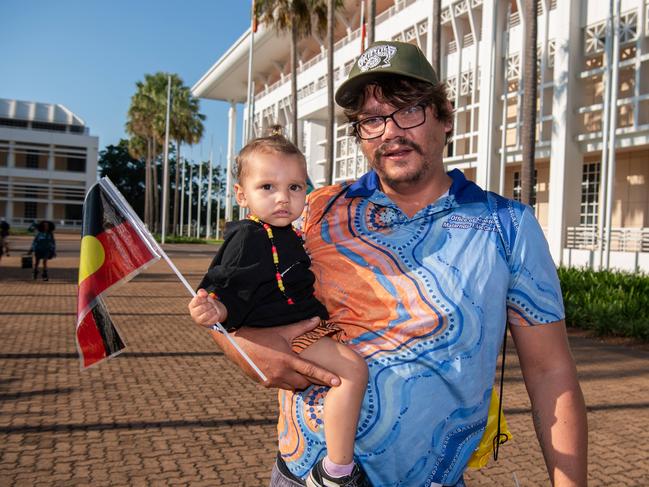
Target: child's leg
[(35, 271), (343, 403)]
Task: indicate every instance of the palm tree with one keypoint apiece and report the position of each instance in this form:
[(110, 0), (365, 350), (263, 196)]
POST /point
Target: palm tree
[(528, 129), (329, 16), (185, 126), (294, 17), (146, 125), (138, 148), (145, 119), (139, 127)]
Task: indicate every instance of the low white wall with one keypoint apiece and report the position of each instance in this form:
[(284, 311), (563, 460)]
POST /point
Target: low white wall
[(624, 261)]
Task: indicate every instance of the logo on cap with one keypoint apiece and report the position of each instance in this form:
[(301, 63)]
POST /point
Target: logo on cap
[(376, 57)]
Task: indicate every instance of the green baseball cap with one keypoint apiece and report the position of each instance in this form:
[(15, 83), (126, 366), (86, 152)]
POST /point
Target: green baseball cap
[(386, 58)]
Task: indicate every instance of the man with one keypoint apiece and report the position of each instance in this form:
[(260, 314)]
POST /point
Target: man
[(412, 263)]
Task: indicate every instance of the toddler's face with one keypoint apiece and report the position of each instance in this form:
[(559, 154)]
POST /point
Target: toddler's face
[(273, 188)]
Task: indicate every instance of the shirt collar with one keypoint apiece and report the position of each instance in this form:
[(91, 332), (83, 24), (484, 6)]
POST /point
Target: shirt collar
[(364, 186), (461, 189)]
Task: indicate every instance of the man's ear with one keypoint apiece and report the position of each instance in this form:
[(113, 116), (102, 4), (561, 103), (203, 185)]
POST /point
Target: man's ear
[(240, 196), (448, 126)]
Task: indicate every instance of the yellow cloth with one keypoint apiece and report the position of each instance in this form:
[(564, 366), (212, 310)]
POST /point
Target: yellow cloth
[(481, 455)]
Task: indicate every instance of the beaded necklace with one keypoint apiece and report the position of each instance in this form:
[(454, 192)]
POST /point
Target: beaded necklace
[(278, 274)]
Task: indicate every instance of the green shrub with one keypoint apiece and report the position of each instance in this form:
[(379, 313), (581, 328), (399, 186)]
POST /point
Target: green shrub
[(186, 240), (606, 302)]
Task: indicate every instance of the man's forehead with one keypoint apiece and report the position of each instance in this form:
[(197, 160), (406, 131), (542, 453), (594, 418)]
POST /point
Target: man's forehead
[(374, 102)]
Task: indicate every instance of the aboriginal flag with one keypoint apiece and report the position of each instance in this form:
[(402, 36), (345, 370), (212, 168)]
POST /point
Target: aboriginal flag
[(115, 247)]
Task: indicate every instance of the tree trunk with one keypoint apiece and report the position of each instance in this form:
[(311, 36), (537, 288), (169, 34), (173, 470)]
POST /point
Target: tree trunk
[(329, 156), (371, 21), (436, 33), (294, 39), (528, 129), (176, 209)]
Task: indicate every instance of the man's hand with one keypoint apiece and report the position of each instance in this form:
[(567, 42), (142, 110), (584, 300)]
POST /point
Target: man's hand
[(270, 349), (205, 310)]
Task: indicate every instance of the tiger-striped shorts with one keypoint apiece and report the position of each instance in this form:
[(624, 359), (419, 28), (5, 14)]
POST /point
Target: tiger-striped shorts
[(324, 329)]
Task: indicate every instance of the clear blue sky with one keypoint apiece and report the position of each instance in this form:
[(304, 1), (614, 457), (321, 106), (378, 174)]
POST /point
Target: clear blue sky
[(88, 55)]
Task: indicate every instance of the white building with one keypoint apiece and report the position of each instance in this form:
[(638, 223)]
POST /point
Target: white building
[(48, 161), (592, 162)]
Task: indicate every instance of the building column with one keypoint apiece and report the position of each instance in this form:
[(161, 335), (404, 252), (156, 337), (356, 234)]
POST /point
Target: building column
[(491, 72), (566, 164), (50, 158), (315, 132), (11, 163), (232, 129), (92, 156), (49, 206)]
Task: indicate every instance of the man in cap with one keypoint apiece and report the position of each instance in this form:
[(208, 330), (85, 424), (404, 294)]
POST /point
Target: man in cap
[(422, 269)]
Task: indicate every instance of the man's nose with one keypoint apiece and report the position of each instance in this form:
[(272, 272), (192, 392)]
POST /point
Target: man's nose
[(392, 130)]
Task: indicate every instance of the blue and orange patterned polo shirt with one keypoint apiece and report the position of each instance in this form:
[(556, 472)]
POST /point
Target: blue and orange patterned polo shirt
[(425, 301)]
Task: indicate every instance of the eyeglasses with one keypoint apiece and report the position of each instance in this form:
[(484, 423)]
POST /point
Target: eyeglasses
[(404, 118)]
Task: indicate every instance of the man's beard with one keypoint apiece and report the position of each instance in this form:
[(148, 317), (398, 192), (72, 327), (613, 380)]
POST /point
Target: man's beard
[(411, 178)]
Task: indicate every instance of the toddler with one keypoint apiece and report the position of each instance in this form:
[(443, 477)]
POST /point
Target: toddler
[(260, 277)]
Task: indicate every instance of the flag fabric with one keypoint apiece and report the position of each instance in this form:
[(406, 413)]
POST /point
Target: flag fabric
[(115, 247)]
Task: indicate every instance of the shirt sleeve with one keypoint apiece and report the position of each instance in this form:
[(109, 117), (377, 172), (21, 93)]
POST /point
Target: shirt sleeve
[(534, 294), (234, 274)]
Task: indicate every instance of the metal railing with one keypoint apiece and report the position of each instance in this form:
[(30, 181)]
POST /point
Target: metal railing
[(59, 222), (623, 239)]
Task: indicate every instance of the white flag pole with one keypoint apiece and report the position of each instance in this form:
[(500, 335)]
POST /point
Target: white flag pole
[(208, 225), (216, 326), (189, 199), (218, 196), (122, 204), (165, 173), (182, 200), (199, 195)]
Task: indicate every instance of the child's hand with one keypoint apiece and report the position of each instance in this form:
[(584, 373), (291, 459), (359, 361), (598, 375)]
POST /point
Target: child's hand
[(206, 311)]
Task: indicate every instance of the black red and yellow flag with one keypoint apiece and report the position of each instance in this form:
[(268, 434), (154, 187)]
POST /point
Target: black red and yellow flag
[(115, 247)]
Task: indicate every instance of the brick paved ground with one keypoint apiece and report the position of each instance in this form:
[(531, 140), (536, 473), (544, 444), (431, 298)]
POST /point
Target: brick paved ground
[(163, 413)]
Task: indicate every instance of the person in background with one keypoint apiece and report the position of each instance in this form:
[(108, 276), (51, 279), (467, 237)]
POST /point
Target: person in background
[(43, 247), (4, 237)]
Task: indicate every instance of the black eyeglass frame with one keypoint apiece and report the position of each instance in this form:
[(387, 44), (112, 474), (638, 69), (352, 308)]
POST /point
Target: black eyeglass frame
[(355, 125)]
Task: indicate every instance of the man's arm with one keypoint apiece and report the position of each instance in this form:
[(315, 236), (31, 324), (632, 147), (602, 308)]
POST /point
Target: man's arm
[(270, 350), (558, 408)]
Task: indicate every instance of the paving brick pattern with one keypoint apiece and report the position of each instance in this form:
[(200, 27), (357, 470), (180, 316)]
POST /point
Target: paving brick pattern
[(172, 411)]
